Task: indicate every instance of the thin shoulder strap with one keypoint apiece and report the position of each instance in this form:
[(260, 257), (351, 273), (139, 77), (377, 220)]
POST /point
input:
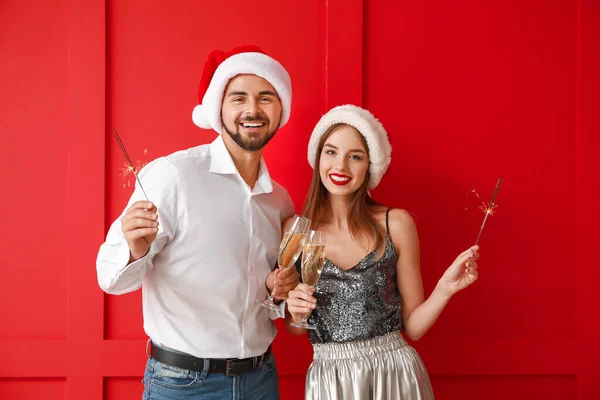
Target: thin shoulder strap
[(387, 224)]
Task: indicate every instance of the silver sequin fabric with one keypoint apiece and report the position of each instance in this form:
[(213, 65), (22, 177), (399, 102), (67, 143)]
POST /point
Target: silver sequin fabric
[(360, 303)]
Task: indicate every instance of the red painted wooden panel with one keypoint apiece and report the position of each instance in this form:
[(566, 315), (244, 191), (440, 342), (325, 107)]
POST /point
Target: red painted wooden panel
[(292, 388), (466, 387), (470, 91), (85, 172), (587, 194), (467, 90), (33, 110), (343, 53), (123, 388), (17, 389)]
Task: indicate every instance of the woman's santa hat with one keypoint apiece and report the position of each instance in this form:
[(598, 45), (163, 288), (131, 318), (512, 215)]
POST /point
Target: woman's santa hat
[(221, 66), (380, 150)]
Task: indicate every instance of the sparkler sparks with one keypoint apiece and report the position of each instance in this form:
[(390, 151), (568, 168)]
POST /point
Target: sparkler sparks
[(490, 208), (128, 167)]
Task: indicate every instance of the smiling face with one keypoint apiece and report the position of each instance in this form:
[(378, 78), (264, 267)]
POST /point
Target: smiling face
[(251, 111), (344, 161)]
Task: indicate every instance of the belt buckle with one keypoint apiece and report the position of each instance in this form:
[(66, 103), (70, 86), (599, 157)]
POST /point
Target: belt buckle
[(228, 368)]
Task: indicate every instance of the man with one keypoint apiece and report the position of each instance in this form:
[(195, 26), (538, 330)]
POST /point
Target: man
[(203, 248)]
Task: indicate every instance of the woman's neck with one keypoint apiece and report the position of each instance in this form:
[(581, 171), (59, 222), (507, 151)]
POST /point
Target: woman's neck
[(337, 212)]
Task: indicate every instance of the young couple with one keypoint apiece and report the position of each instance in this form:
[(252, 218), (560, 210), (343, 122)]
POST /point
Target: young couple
[(203, 250)]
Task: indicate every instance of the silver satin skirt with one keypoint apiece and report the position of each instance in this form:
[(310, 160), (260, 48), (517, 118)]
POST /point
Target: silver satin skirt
[(382, 368)]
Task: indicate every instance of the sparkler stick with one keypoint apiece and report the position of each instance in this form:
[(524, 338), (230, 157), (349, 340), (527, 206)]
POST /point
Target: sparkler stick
[(490, 208), (131, 167)]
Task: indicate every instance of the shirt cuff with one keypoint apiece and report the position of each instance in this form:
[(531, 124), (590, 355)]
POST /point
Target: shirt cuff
[(278, 313), (123, 254)]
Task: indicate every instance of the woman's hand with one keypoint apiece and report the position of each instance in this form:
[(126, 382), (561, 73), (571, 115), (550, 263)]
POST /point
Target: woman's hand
[(462, 273), (300, 302)]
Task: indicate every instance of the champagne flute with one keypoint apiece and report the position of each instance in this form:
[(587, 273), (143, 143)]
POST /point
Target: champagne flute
[(313, 258), (289, 250)]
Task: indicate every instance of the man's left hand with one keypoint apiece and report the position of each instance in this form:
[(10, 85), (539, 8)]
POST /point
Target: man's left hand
[(280, 282)]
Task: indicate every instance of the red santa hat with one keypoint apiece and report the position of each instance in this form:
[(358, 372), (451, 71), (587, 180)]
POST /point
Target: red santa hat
[(221, 66), (380, 150)]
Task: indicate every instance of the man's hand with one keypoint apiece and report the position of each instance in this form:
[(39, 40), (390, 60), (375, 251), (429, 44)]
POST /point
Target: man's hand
[(280, 282), (140, 226)]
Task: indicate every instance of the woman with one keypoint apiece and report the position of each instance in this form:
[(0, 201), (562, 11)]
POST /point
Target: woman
[(370, 287)]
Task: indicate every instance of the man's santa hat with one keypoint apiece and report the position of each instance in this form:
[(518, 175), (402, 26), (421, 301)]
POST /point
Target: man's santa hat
[(221, 66)]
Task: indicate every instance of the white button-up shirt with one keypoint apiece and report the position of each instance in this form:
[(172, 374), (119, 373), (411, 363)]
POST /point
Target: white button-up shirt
[(217, 241)]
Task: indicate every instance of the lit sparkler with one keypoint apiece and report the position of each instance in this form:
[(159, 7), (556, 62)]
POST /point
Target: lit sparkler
[(128, 167), (488, 209)]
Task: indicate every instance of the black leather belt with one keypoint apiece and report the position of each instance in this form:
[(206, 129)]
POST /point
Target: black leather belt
[(229, 367)]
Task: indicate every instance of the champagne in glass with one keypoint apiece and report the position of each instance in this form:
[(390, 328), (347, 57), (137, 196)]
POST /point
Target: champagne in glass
[(313, 258), (289, 250), (312, 263)]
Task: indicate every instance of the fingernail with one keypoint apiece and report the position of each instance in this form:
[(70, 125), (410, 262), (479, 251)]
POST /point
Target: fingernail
[(149, 205)]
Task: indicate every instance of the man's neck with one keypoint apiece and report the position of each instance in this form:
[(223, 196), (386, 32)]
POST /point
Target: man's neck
[(246, 162)]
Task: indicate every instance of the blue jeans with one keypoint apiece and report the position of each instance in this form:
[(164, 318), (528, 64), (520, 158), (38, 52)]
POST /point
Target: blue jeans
[(164, 382)]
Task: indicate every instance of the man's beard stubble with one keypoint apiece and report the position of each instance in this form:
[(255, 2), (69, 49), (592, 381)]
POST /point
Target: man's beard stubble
[(249, 144)]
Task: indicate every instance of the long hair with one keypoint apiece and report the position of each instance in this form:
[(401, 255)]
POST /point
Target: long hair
[(362, 226)]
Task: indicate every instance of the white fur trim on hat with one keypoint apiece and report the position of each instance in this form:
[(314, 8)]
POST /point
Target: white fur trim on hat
[(199, 119), (376, 137), (208, 114)]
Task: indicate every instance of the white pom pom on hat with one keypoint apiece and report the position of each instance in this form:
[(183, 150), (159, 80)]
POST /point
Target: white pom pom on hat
[(363, 121), (221, 66)]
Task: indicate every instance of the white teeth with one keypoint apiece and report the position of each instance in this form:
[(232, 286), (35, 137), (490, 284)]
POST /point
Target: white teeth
[(253, 125), (339, 178)]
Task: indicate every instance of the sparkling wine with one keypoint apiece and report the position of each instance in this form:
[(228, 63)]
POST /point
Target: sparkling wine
[(312, 263), (290, 248)]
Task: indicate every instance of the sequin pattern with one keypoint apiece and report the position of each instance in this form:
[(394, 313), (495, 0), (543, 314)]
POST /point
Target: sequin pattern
[(360, 303)]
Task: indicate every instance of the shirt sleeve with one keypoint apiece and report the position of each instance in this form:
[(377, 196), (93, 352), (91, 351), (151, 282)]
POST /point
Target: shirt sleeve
[(288, 211), (278, 313), (160, 180)]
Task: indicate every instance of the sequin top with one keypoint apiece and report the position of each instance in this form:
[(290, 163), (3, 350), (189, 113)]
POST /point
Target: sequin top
[(360, 303)]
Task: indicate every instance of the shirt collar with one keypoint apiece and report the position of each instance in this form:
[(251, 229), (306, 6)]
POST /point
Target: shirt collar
[(222, 163)]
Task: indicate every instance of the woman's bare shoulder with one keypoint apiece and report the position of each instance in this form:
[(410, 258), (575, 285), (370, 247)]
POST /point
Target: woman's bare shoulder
[(401, 223)]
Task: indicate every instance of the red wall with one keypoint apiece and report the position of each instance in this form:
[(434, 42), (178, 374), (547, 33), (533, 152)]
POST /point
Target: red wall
[(468, 91)]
